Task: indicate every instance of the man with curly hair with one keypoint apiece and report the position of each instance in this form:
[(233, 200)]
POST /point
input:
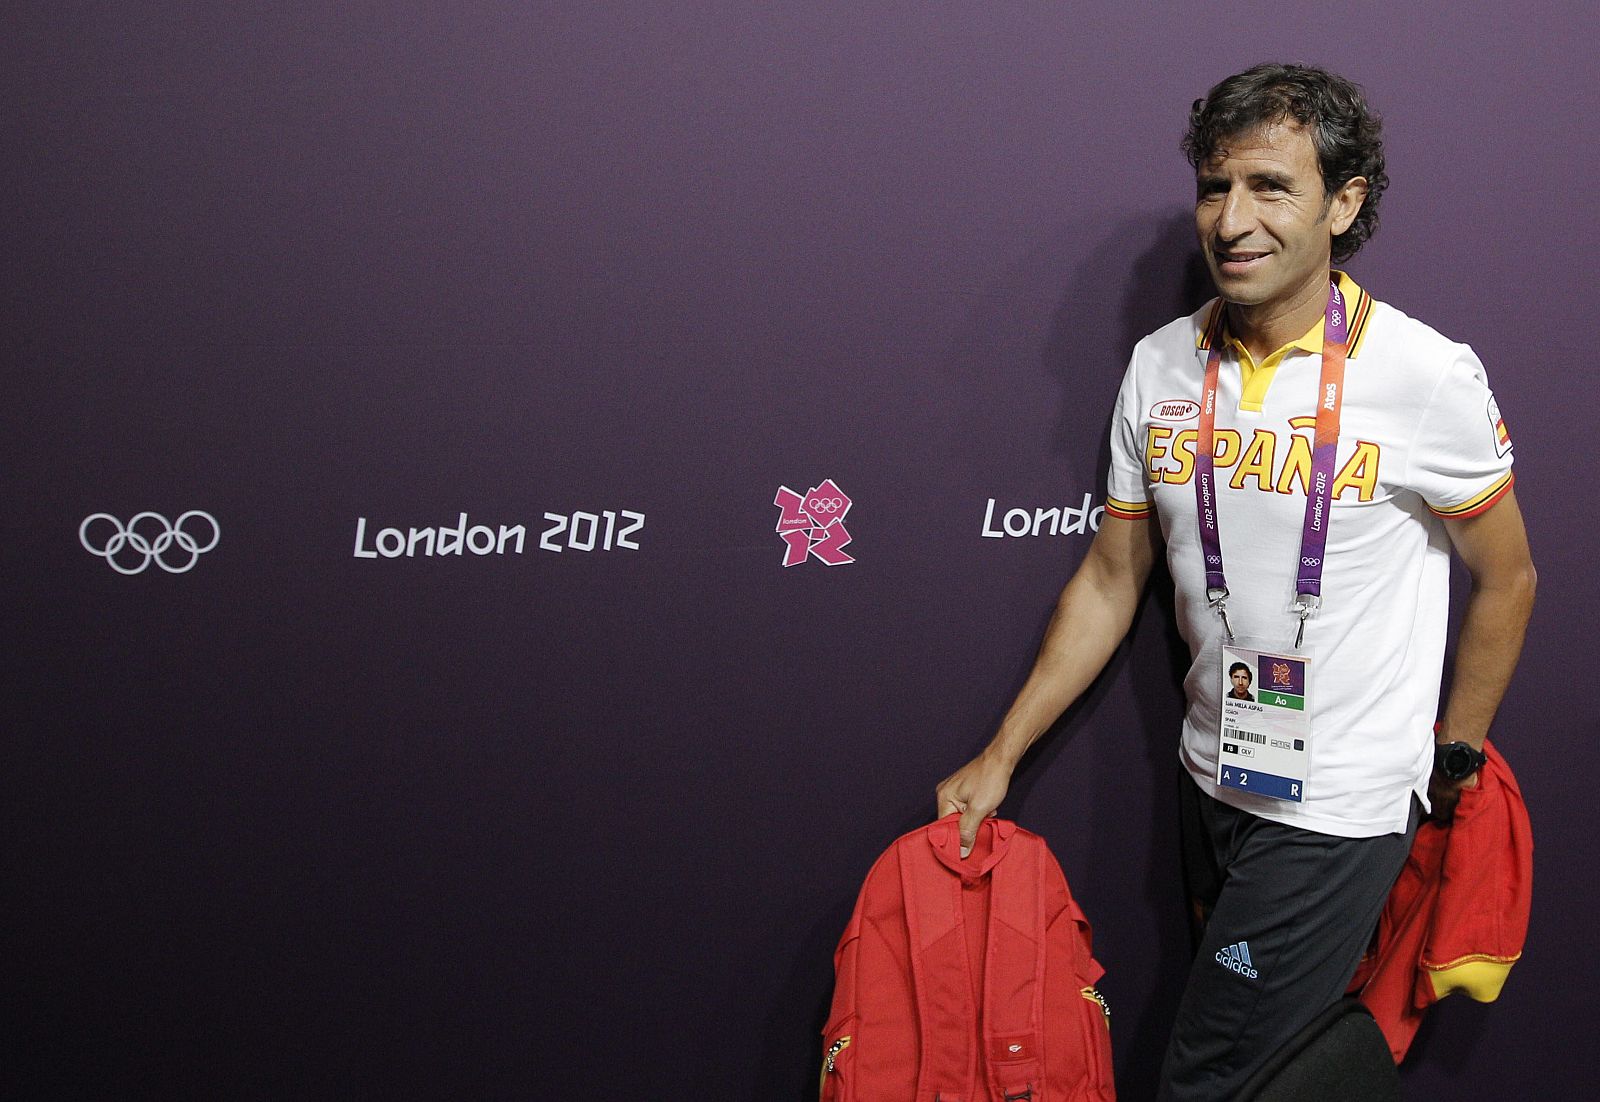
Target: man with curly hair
[(1307, 457)]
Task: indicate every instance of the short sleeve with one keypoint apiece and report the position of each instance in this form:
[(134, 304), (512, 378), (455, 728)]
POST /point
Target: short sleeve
[(1127, 488), (1461, 456)]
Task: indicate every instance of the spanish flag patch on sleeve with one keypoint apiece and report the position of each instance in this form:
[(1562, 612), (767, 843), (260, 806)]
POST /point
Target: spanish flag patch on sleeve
[(1497, 425)]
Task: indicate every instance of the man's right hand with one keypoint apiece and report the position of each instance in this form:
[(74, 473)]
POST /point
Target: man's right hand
[(975, 790)]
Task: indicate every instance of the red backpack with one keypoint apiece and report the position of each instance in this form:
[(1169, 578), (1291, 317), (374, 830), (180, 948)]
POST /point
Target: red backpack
[(967, 980)]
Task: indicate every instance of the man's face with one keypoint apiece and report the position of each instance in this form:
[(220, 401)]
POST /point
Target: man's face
[(1241, 682), (1264, 225)]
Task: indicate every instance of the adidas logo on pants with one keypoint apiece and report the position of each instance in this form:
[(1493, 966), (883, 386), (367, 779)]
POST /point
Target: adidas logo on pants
[(1237, 957)]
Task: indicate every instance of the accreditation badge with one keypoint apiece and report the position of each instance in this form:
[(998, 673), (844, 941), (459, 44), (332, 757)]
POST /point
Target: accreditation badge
[(1266, 722)]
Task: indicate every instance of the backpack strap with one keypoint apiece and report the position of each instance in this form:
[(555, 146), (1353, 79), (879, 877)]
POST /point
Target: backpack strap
[(940, 970), (1013, 981), (1012, 1056)]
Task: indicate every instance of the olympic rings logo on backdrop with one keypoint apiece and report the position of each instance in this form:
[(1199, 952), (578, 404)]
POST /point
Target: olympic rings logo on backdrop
[(152, 537), (824, 505)]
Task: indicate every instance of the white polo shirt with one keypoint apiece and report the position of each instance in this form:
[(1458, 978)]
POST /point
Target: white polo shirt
[(1421, 439)]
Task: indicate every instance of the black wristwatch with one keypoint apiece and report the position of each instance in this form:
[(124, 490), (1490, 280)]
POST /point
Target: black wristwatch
[(1456, 761)]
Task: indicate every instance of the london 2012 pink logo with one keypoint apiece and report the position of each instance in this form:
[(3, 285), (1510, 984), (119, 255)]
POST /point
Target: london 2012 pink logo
[(813, 524)]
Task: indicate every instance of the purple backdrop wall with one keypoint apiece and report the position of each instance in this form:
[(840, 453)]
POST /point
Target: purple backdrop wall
[(309, 821)]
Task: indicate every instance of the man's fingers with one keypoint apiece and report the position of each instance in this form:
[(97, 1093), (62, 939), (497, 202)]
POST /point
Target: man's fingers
[(975, 793), (970, 819)]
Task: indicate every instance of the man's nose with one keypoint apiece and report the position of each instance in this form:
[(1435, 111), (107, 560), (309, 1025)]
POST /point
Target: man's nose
[(1237, 217)]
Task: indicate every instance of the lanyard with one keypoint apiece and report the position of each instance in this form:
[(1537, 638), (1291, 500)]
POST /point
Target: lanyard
[(1319, 493)]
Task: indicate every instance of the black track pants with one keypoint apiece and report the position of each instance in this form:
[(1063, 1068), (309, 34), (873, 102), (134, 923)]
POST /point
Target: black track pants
[(1290, 913)]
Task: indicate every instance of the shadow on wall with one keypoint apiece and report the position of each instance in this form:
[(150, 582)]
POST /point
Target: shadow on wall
[(1054, 330), (1107, 310)]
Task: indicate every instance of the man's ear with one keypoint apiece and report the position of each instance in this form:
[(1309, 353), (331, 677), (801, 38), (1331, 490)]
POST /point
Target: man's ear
[(1346, 204)]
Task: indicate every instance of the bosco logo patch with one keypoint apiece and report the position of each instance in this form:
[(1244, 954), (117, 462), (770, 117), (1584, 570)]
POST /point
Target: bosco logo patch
[(1175, 409)]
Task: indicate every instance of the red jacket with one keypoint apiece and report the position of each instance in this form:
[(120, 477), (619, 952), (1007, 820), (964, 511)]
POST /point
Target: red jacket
[(1457, 917), (966, 980)]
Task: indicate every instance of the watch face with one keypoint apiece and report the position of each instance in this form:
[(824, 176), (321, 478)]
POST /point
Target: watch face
[(1458, 761)]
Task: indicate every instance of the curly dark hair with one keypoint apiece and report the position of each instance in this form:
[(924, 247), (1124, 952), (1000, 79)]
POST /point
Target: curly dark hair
[(1347, 134)]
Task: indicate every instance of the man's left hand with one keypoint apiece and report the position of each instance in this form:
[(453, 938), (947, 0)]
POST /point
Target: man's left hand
[(1443, 796)]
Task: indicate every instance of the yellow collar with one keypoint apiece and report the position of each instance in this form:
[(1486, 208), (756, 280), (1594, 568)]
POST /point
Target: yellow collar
[(1255, 379), (1359, 303)]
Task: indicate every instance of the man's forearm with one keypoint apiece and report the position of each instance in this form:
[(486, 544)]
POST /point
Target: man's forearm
[(1494, 548), (1492, 631)]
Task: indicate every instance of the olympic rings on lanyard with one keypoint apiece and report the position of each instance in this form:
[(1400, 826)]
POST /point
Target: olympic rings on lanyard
[(153, 546)]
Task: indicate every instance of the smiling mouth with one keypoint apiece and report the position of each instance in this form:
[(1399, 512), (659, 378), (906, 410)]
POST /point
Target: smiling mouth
[(1238, 262)]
